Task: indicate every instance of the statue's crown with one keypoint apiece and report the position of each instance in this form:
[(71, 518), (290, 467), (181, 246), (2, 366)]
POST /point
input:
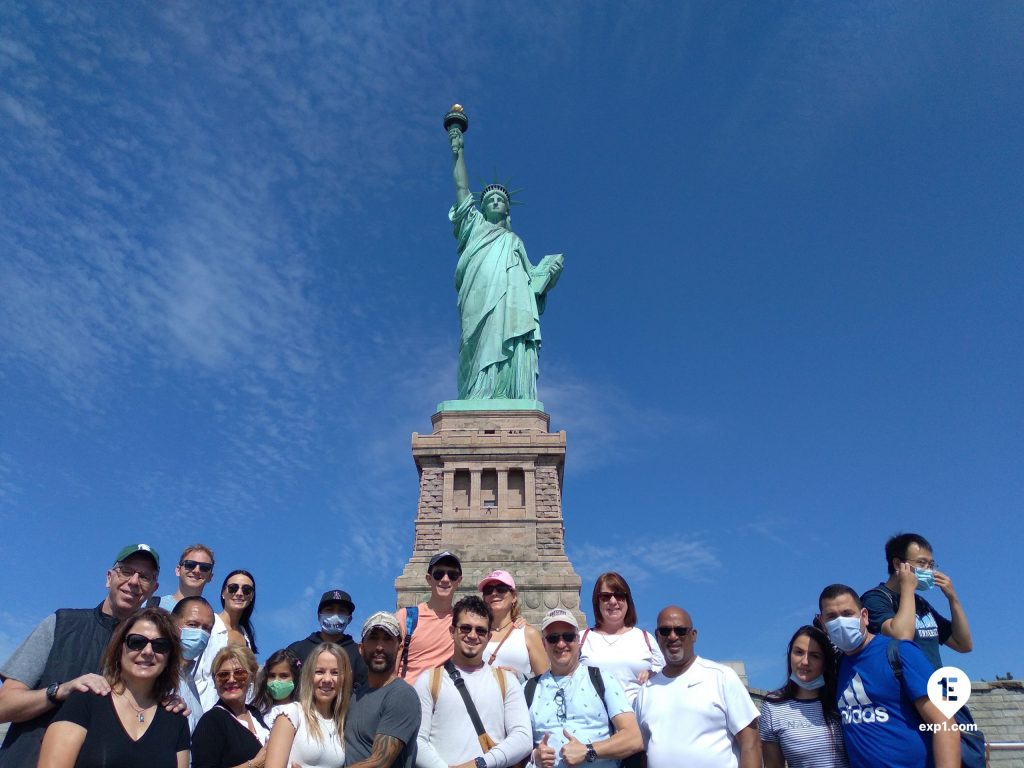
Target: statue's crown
[(501, 189)]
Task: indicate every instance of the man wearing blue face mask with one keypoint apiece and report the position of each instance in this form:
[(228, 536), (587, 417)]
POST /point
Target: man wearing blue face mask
[(880, 713), (194, 617), (334, 614), (897, 609)]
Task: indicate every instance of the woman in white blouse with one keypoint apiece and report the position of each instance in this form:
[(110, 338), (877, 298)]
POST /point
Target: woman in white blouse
[(310, 732), (615, 643)]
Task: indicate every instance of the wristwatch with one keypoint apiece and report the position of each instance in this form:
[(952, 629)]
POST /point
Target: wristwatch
[(591, 754), (480, 762), (51, 693)]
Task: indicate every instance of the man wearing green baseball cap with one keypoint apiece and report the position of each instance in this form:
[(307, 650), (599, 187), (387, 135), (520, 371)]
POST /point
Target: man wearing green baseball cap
[(63, 655)]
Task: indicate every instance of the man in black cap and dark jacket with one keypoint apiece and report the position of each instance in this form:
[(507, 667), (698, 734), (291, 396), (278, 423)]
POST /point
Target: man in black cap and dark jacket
[(334, 614)]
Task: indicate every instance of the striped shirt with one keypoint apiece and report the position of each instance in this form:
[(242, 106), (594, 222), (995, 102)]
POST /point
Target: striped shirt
[(798, 727)]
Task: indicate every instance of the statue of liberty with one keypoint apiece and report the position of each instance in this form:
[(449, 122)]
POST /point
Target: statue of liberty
[(501, 295)]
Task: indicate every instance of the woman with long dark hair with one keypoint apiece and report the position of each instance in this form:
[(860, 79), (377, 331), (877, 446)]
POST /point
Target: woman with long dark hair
[(128, 727), (799, 723), (232, 626)]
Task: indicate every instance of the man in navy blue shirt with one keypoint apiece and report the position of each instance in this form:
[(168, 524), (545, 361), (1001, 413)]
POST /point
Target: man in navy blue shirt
[(882, 716)]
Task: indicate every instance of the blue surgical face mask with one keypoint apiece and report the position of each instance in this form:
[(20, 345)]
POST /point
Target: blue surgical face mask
[(193, 642), (334, 624), (925, 578), (809, 685), (845, 633)]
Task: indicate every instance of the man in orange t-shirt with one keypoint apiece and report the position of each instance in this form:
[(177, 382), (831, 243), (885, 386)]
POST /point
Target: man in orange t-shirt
[(431, 644)]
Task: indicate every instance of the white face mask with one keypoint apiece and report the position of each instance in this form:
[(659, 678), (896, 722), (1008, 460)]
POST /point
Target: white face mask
[(845, 633), (809, 685)]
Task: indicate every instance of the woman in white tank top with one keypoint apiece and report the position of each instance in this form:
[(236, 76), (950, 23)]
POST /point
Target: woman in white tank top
[(514, 643)]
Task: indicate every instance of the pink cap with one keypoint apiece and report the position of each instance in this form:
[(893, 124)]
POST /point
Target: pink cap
[(502, 577)]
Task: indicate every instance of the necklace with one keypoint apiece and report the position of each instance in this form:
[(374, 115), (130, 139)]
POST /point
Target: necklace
[(140, 713), (506, 624)]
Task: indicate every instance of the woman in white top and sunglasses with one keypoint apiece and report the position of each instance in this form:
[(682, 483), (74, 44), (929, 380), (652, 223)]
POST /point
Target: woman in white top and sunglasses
[(232, 626), (514, 644), (615, 644)]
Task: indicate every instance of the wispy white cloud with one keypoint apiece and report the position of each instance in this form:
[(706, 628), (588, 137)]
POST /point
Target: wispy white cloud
[(687, 558)]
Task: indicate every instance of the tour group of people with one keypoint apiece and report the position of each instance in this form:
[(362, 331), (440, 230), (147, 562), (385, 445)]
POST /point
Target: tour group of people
[(170, 681)]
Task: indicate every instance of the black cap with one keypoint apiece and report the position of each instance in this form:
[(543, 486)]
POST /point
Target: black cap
[(446, 555), (337, 596)]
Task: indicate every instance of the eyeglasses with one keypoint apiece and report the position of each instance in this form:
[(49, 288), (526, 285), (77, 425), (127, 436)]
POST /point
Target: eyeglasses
[(161, 645), (501, 589), (604, 597), (439, 573), (247, 589), (126, 572), (466, 629), (191, 565), (561, 711), (238, 675), (677, 631), (922, 563), (565, 637)]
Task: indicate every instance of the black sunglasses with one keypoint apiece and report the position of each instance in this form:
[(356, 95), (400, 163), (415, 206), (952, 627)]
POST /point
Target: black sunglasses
[(679, 631), (554, 637), (191, 565), (501, 589), (478, 631), (439, 573), (161, 645), (247, 589), (604, 597)]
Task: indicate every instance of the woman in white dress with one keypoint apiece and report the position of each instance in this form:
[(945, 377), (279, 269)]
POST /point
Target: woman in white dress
[(615, 643), (514, 644), (310, 732)]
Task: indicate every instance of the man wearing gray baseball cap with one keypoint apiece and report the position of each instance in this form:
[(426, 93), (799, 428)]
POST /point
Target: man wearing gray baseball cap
[(63, 655), (384, 715)]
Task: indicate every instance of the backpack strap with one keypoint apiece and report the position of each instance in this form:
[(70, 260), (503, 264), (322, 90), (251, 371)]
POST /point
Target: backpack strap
[(530, 688), (499, 675), (412, 617), (435, 684), (597, 681), (892, 652), (647, 639)]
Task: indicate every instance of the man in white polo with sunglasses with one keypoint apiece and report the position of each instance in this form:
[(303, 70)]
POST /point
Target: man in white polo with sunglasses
[(695, 712), (194, 571), (63, 655)]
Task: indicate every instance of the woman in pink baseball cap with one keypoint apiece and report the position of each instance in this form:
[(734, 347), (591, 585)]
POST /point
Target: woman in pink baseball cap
[(514, 644)]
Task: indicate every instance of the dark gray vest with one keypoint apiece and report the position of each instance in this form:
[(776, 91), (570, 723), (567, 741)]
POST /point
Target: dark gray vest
[(79, 639)]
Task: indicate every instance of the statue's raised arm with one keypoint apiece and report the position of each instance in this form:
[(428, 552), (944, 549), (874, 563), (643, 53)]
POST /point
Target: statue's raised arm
[(501, 294)]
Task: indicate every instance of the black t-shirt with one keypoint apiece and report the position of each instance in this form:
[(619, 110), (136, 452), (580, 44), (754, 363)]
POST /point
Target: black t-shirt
[(108, 744), (221, 741)]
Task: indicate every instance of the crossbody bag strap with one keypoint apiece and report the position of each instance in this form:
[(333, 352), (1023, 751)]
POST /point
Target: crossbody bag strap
[(460, 686), (495, 654)]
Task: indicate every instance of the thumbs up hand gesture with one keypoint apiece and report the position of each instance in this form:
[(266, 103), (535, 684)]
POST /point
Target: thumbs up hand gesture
[(544, 756), (574, 751)]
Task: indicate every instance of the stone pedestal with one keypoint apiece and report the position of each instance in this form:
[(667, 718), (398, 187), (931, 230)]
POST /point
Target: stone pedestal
[(491, 491)]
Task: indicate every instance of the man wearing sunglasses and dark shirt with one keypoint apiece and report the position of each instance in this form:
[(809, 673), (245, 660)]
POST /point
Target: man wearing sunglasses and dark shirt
[(430, 643), (695, 712), (194, 571), (63, 655)]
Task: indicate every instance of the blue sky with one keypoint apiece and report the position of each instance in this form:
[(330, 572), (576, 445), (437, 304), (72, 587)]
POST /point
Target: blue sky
[(789, 323)]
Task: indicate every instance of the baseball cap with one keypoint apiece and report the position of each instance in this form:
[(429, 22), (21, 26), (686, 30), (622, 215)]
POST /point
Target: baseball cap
[(132, 549), (446, 555), (559, 614), (385, 621), (502, 577), (337, 596)]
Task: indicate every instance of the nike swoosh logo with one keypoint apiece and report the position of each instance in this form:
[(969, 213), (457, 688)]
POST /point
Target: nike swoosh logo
[(693, 684)]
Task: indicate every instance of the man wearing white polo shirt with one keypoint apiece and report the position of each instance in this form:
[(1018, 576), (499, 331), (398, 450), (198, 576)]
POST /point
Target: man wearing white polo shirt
[(695, 712)]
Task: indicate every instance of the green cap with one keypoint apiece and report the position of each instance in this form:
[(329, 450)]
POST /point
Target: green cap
[(132, 549)]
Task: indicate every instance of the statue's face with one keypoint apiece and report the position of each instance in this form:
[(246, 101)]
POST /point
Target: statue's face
[(494, 207)]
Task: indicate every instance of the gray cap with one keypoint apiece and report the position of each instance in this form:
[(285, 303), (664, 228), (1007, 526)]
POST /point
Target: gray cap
[(556, 615)]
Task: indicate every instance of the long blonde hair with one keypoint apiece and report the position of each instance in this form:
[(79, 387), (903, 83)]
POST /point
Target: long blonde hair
[(341, 699)]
